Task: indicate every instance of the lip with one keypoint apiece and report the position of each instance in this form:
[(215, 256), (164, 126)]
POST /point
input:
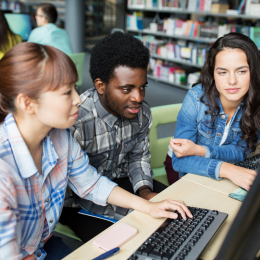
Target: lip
[(133, 110), (75, 115), (232, 90)]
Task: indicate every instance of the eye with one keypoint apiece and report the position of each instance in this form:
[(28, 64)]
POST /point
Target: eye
[(126, 89), (68, 93), (143, 87), (242, 72), (222, 73)]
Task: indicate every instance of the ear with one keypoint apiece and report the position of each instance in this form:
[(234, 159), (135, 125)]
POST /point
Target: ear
[(26, 104), (100, 86)]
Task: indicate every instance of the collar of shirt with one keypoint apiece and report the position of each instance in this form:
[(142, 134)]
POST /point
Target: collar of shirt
[(103, 113), (22, 155), (221, 112)]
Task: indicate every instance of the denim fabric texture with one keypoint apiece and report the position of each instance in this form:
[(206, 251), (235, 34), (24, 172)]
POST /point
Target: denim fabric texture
[(195, 125)]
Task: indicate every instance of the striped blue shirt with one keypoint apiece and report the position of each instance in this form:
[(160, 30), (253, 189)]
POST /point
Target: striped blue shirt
[(31, 203)]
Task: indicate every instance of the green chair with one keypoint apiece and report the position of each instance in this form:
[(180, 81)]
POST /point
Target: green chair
[(159, 147), (78, 59)]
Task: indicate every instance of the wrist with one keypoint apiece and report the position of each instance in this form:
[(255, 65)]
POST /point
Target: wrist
[(201, 150), (224, 172)]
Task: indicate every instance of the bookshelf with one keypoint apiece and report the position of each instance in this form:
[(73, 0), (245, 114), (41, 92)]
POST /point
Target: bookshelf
[(162, 34), (182, 86), (182, 11), (180, 61), (186, 14)]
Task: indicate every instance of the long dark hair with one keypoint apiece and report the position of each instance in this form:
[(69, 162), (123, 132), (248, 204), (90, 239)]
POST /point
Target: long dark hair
[(4, 32), (32, 69), (249, 122)]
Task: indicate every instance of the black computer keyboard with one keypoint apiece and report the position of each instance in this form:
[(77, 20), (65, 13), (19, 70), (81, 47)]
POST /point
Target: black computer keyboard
[(177, 239)]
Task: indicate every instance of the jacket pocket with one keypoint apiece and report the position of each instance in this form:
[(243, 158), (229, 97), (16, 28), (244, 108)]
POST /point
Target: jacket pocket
[(206, 132)]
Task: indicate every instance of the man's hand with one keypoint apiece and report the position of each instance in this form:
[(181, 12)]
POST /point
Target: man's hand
[(240, 176), (185, 147), (160, 209), (147, 194)]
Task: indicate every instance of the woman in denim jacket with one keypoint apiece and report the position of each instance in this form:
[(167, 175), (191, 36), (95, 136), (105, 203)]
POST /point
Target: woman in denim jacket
[(217, 124)]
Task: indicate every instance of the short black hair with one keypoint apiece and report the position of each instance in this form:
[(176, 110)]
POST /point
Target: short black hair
[(117, 49), (50, 12)]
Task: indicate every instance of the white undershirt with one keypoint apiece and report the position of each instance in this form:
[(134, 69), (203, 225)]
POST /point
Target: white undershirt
[(225, 134)]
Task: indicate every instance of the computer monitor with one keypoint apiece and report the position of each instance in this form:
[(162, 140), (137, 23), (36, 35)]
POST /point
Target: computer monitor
[(19, 24), (243, 239)]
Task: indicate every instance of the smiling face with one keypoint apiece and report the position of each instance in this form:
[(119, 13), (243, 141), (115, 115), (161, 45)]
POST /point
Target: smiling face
[(58, 109), (232, 76), (124, 93)]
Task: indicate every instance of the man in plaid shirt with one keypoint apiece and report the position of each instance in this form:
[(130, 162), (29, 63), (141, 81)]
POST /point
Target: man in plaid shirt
[(113, 128)]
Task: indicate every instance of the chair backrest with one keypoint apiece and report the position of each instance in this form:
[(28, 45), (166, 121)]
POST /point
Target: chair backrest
[(78, 59), (159, 147)]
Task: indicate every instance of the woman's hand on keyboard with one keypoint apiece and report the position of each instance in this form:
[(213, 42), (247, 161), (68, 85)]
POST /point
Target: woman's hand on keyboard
[(240, 176), (185, 147), (160, 209)]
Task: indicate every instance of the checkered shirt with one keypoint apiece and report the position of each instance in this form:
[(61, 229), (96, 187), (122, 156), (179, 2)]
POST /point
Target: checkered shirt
[(117, 147), (31, 203)]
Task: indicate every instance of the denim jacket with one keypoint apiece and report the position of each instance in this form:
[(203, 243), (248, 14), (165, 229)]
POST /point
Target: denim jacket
[(195, 125)]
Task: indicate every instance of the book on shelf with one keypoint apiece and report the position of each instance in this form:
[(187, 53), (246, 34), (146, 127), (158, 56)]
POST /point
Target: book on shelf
[(252, 7), (249, 7), (167, 72), (193, 78), (135, 21), (241, 6), (255, 35), (90, 214)]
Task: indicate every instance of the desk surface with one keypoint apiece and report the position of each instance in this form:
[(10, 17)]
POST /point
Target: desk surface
[(198, 192)]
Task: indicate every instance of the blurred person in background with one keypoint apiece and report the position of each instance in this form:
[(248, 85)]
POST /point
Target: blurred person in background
[(7, 38), (47, 32)]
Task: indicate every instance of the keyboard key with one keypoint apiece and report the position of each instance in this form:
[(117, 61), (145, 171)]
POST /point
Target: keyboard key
[(188, 248), (185, 251), (156, 254), (203, 227), (168, 255), (140, 249), (148, 249), (214, 212)]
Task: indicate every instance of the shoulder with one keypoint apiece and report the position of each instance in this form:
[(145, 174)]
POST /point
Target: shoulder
[(197, 91), (17, 38), (145, 110), (35, 34), (5, 148), (87, 102)]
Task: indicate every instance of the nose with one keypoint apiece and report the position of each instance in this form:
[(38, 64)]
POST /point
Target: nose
[(76, 98), (136, 96), (232, 79)]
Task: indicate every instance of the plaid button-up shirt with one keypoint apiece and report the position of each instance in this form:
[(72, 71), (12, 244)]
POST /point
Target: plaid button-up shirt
[(31, 203), (117, 147)]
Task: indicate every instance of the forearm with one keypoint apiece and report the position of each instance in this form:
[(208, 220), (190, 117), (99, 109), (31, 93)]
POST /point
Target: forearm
[(125, 199), (227, 153), (197, 165)]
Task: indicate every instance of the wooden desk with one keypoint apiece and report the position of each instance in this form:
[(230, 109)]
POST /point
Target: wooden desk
[(195, 193), (225, 185)]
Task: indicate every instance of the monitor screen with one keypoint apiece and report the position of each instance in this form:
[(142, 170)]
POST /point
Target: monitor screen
[(19, 24), (243, 239)]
